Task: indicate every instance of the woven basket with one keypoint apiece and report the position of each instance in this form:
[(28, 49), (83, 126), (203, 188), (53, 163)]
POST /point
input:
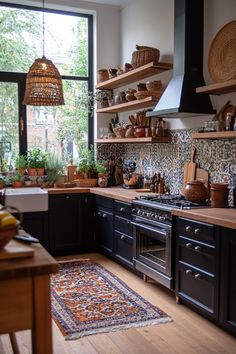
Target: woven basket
[(222, 54), (144, 94), (86, 182), (144, 55)]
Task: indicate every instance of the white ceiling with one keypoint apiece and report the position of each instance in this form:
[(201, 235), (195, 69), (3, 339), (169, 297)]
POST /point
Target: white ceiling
[(109, 2)]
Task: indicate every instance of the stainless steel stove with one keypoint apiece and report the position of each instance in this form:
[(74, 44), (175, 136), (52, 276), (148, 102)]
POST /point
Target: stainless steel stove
[(152, 225)]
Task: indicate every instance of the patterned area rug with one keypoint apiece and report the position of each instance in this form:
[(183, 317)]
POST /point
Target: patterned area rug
[(88, 299)]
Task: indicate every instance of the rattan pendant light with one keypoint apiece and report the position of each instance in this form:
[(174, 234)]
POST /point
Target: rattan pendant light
[(43, 82)]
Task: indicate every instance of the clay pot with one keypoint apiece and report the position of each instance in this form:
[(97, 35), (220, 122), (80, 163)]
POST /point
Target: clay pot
[(139, 132), (219, 195), (195, 192)]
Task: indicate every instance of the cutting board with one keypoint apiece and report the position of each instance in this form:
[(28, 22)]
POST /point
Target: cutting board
[(14, 249), (203, 175), (189, 170)]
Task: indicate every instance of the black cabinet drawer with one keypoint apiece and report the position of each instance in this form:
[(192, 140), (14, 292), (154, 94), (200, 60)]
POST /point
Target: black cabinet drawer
[(198, 288), (196, 230), (123, 225), (198, 255), (104, 203), (122, 208), (123, 248), (104, 230)]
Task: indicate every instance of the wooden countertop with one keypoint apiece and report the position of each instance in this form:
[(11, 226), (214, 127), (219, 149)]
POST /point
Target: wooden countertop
[(225, 217), (40, 263)]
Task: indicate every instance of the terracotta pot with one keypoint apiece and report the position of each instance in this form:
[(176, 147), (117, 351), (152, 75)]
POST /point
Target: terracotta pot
[(195, 191), (40, 171), (32, 171), (17, 184), (219, 195)]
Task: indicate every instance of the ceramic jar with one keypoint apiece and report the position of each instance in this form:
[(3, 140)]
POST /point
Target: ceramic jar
[(195, 192), (219, 195)]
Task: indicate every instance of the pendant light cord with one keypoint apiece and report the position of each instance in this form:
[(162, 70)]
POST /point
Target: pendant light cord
[(43, 31)]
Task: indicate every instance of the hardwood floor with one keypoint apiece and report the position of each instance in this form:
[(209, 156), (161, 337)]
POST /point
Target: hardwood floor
[(189, 333)]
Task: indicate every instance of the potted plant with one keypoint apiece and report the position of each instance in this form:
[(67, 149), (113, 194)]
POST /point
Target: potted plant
[(17, 180), (102, 170), (87, 165), (21, 164), (103, 97), (54, 167), (36, 161)]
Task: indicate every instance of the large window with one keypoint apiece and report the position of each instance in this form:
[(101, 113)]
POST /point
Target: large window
[(68, 43)]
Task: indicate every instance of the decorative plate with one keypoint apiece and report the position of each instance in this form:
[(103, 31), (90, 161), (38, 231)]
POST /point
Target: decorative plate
[(222, 54)]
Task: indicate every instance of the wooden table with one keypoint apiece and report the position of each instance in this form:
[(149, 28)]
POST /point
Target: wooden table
[(25, 297)]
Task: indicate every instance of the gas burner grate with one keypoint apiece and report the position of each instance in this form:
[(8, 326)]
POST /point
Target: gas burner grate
[(173, 200)]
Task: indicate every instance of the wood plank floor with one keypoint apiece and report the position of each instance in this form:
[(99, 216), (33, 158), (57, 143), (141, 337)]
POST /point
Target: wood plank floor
[(189, 333)]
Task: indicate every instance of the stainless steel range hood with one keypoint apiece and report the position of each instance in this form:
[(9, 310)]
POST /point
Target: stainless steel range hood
[(179, 99)]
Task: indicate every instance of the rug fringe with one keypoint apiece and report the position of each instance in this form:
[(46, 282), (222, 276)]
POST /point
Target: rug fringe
[(75, 336)]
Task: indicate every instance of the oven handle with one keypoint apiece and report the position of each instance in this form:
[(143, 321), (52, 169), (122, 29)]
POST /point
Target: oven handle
[(164, 233)]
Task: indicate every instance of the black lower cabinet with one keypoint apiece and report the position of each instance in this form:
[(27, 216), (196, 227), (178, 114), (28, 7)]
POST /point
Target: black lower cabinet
[(123, 236), (104, 225), (36, 224), (206, 270), (70, 223), (228, 279)]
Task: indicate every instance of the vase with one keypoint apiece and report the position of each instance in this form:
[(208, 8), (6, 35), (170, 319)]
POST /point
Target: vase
[(102, 180)]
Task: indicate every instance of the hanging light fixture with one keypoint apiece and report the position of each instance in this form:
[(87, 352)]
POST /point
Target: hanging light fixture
[(43, 82)]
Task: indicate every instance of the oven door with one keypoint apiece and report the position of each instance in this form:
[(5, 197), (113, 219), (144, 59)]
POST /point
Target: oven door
[(152, 251)]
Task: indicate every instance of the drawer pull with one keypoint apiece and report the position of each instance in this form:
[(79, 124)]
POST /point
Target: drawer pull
[(67, 197), (197, 231), (104, 216), (197, 276), (188, 229), (99, 213), (188, 272), (122, 210), (122, 237), (197, 249), (189, 245)]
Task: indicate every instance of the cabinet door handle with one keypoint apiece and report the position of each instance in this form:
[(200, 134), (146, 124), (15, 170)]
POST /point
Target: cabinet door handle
[(104, 216), (197, 231), (189, 245), (99, 213), (188, 229), (188, 272), (197, 276), (122, 210), (122, 237), (197, 249)]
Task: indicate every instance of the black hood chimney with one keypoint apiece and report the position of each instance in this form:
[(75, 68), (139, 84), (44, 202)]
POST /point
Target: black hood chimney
[(179, 99)]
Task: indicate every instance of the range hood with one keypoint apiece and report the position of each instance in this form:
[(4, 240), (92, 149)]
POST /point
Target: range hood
[(179, 99)]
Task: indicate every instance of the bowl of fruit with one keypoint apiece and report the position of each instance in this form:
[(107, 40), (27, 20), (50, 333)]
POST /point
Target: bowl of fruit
[(9, 225)]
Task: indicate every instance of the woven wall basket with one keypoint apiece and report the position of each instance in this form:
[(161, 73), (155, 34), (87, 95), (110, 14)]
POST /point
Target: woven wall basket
[(222, 54), (144, 55)]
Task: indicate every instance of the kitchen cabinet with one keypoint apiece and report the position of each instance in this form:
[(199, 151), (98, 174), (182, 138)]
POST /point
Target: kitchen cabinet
[(197, 274), (206, 270), (228, 276), (123, 237), (69, 225), (36, 224), (104, 224), (130, 77)]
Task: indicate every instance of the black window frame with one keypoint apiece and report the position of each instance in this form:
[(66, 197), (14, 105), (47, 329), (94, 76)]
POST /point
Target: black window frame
[(20, 78)]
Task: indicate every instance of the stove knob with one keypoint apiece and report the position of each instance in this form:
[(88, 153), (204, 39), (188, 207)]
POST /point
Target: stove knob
[(153, 215), (144, 213), (156, 217), (133, 210), (139, 212), (162, 218), (148, 214)]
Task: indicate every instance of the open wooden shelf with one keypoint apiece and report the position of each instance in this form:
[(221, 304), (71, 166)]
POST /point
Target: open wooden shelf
[(140, 73), (129, 106), (215, 135), (165, 139), (219, 88)]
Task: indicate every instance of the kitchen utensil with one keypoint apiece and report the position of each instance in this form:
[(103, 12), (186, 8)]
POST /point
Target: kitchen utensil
[(222, 54)]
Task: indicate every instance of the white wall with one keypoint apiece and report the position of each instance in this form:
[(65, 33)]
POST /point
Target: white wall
[(151, 23)]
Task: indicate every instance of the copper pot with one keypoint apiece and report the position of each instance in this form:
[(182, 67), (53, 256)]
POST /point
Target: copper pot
[(195, 191)]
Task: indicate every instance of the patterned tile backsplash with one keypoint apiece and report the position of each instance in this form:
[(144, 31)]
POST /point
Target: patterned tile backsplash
[(216, 156)]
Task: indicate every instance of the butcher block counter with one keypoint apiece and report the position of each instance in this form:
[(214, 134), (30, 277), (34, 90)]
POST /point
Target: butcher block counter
[(225, 217), (125, 195)]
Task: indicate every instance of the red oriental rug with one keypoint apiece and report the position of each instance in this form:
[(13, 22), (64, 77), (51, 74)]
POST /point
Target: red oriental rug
[(88, 299)]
